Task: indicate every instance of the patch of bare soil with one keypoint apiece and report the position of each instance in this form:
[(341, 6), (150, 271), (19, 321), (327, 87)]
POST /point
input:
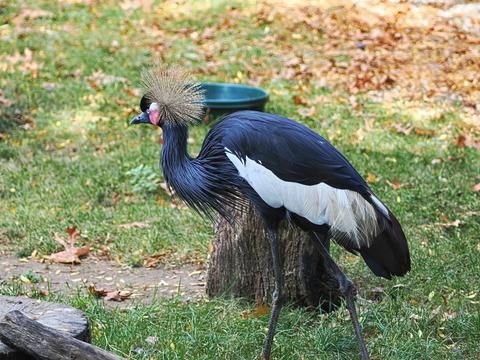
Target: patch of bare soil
[(142, 284)]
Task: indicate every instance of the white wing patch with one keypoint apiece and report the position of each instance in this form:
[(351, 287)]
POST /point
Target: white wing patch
[(352, 219)]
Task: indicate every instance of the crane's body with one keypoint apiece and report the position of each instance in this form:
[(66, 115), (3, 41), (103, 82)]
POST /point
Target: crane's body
[(287, 172)]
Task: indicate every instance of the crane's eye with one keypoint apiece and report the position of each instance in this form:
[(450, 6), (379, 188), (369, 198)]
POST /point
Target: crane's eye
[(145, 103)]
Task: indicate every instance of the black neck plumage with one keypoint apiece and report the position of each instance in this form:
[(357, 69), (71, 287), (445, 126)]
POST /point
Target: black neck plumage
[(204, 186)]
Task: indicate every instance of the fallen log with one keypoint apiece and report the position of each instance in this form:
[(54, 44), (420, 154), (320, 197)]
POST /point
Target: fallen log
[(42, 342), (58, 316)]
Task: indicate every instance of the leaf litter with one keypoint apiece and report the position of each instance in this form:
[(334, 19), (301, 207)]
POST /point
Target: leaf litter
[(106, 279)]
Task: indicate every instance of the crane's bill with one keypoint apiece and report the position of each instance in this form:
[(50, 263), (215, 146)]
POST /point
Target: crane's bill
[(143, 118)]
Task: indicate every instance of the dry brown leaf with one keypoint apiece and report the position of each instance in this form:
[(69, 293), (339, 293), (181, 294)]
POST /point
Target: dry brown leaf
[(470, 142), (118, 295), (424, 132), (372, 178), (133, 92), (161, 201), (24, 62), (96, 292), (71, 254), (476, 187), (396, 185), (135, 224), (460, 142), (293, 61), (298, 100), (29, 14), (400, 129), (258, 311), (446, 221), (153, 260), (443, 216)]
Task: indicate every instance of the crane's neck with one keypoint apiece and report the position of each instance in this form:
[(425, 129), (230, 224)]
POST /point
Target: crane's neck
[(205, 183), (174, 155)]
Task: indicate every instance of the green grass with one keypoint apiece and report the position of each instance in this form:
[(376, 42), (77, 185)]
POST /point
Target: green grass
[(72, 169)]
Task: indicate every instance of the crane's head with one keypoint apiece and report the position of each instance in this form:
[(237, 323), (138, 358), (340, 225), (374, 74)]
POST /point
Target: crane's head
[(150, 113), (171, 98)]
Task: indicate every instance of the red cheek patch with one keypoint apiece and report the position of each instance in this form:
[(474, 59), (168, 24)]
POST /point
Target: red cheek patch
[(154, 117)]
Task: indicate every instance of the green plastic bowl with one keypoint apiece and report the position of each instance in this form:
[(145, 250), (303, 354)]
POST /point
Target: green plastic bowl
[(221, 99)]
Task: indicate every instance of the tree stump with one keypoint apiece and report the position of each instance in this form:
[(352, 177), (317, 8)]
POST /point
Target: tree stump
[(57, 316), (240, 264)]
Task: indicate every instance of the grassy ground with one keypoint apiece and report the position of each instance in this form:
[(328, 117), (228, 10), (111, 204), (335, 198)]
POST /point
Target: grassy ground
[(69, 85)]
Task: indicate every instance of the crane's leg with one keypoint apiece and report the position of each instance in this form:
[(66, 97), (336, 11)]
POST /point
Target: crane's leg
[(277, 298), (348, 291)]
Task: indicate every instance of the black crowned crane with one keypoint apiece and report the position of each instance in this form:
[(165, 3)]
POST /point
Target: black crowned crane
[(286, 171)]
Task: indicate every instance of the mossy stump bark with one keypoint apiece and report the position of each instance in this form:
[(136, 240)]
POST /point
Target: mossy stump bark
[(240, 264)]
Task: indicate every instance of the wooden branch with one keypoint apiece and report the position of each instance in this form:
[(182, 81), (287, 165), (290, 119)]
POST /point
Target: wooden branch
[(60, 317), (43, 342)]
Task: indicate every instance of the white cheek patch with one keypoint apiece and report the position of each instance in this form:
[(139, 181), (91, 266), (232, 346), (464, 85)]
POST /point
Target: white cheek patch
[(154, 107)]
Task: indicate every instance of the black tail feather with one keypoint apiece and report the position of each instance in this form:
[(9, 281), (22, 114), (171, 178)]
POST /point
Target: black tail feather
[(388, 255)]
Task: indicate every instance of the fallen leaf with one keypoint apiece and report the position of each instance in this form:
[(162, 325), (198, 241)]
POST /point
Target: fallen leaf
[(476, 187), (396, 185), (160, 201), (460, 142), (71, 254), (153, 260), (71, 230), (293, 61), (448, 224), (400, 129), (371, 178), (135, 224), (258, 311), (29, 14), (298, 100), (443, 216), (424, 132), (472, 143), (133, 92), (96, 292), (118, 295)]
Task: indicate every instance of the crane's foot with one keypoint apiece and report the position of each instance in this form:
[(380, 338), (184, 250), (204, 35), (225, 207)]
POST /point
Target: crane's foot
[(348, 290)]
